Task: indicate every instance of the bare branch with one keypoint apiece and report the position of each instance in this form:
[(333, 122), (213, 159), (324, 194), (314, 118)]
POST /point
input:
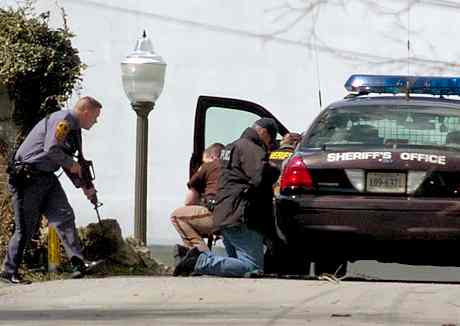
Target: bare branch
[(398, 12), (64, 16)]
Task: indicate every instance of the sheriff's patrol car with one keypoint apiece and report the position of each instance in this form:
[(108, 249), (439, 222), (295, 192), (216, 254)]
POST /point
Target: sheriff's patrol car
[(375, 177)]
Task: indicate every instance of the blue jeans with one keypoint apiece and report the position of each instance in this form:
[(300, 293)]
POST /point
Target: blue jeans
[(245, 251)]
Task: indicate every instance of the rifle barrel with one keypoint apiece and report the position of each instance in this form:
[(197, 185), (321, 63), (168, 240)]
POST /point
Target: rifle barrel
[(99, 217)]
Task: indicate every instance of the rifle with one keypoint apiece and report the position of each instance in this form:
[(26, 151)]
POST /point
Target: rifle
[(87, 176), (86, 181)]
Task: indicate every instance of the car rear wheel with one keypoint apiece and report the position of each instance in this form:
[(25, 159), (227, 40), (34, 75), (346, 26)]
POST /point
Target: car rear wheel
[(282, 259), (336, 267)]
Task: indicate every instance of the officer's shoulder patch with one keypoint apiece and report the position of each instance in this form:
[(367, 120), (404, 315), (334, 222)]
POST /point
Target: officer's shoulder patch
[(62, 130)]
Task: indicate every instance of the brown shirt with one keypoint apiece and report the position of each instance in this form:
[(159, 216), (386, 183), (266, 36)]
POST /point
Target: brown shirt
[(206, 180)]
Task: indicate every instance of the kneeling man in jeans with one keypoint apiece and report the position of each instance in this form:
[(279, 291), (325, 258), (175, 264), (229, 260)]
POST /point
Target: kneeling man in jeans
[(243, 206)]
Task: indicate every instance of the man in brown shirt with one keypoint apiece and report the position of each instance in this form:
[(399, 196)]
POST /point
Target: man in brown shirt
[(194, 220)]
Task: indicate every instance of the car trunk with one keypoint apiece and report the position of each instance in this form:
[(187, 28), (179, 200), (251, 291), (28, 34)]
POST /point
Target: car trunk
[(395, 172)]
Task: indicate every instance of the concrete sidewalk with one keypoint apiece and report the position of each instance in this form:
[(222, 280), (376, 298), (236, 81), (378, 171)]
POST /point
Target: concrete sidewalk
[(219, 301)]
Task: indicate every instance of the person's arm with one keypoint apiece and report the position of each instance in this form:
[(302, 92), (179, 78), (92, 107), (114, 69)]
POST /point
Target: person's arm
[(56, 134), (256, 166), (192, 197), (195, 187)]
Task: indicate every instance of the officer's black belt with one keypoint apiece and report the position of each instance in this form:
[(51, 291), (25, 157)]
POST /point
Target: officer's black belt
[(28, 169)]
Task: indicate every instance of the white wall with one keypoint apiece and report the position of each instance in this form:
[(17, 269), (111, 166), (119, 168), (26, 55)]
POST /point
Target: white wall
[(255, 50)]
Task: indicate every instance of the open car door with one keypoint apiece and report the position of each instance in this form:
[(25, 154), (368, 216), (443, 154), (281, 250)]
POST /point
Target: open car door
[(223, 120)]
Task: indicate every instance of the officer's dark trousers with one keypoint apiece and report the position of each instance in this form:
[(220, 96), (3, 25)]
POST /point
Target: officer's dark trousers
[(41, 194)]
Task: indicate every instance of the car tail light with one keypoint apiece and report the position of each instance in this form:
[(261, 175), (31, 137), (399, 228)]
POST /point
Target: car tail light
[(296, 176)]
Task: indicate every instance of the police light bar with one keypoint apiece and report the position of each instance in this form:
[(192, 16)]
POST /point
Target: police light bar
[(394, 84)]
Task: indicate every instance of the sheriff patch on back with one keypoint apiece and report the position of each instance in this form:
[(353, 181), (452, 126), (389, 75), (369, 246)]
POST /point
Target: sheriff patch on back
[(287, 146)]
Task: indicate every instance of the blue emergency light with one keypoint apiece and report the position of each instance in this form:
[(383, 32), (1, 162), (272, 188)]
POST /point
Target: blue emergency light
[(394, 84)]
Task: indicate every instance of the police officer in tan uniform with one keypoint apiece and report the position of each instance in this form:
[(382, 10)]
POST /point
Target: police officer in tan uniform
[(272, 238), (36, 190)]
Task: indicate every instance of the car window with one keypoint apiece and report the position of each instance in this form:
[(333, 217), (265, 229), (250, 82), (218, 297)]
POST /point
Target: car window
[(387, 125), (226, 125)]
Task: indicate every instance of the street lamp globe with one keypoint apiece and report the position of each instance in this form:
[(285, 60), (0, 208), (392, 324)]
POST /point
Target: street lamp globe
[(143, 72)]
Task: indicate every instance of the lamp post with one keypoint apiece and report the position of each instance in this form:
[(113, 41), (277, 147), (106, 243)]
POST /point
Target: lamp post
[(142, 73)]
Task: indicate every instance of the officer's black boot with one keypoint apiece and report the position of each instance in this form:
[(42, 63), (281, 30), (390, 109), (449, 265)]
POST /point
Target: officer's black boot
[(80, 267), (13, 278), (186, 265), (179, 253)]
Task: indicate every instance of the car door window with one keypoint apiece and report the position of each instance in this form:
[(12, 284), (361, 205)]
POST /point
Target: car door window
[(226, 125), (223, 120)]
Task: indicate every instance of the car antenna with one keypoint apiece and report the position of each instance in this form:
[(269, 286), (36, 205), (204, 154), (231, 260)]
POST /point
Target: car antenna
[(408, 39), (407, 90), (318, 79)]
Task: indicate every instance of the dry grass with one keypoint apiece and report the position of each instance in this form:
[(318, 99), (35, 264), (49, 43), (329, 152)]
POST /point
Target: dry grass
[(6, 222)]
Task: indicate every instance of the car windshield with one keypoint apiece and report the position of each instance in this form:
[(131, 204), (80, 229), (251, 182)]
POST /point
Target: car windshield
[(387, 126)]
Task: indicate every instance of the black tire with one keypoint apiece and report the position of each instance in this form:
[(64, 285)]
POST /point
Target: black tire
[(284, 260), (335, 267)]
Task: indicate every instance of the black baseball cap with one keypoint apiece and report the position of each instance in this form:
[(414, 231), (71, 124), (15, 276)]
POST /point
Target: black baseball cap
[(270, 125)]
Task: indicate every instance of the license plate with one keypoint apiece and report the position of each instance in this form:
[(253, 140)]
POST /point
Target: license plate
[(386, 182)]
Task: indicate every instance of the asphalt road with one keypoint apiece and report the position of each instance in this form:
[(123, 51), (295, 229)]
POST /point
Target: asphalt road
[(217, 301), (364, 269), (400, 272)]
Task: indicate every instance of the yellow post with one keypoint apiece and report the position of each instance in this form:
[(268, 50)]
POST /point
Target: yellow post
[(53, 250)]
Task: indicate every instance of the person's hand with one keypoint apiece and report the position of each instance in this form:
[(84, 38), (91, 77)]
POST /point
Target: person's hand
[(75, 168), (90, 193)]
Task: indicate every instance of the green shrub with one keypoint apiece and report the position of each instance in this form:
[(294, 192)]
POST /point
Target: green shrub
[(38, 65)]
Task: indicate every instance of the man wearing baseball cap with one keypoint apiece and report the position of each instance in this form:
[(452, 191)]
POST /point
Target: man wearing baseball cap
[(243, 206)]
